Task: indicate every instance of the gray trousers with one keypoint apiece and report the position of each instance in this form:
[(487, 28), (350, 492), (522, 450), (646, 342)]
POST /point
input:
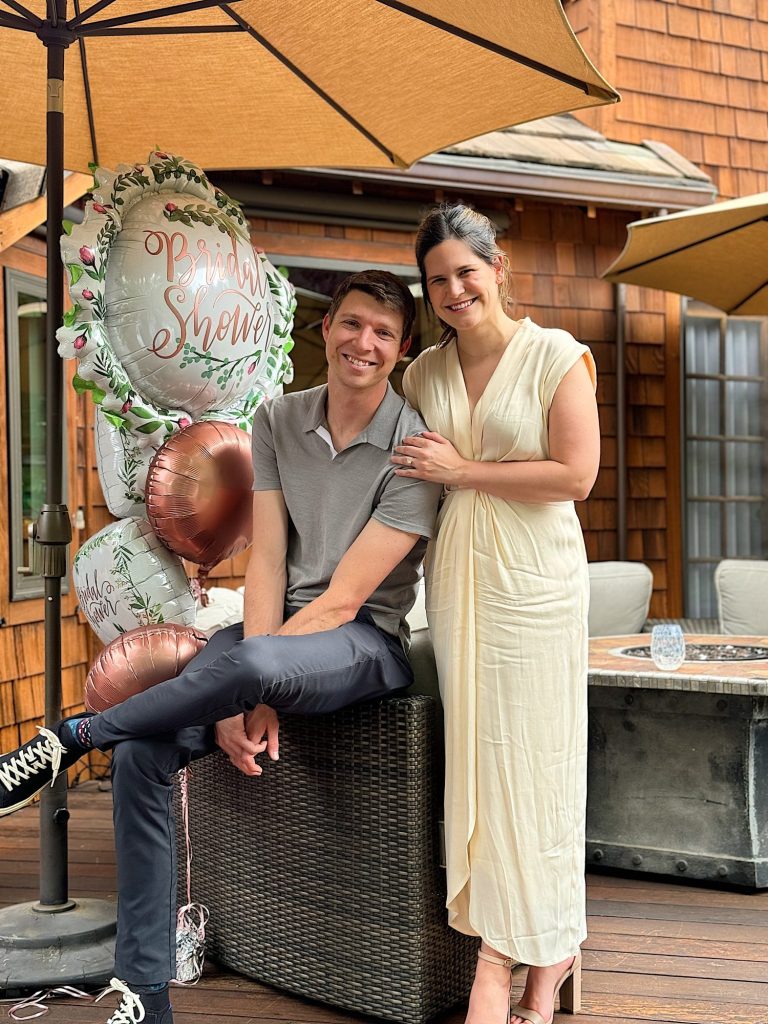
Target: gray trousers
[(155, 733)]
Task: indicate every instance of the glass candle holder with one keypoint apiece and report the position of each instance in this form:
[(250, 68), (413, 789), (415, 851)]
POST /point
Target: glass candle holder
[(667, 647)]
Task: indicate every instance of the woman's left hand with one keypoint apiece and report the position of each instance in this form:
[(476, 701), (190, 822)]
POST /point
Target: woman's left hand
[(429, 457)]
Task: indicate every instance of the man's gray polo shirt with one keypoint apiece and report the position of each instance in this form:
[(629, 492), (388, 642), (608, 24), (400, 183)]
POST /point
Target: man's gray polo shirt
[(330, 499)]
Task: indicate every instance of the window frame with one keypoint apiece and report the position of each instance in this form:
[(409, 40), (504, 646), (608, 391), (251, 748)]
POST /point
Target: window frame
[(21, 587), (693, 311)]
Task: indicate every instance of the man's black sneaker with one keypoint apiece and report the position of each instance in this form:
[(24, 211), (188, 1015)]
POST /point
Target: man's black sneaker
[(32, 767), (132, 1009)]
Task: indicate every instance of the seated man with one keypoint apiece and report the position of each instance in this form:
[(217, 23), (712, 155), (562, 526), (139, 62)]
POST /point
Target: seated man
[(337, 542)]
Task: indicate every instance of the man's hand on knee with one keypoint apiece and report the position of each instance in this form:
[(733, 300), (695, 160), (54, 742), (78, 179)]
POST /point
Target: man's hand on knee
[(231, 736), (262, 728)]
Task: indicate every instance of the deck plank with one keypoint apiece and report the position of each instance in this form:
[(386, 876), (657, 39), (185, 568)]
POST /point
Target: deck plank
[(657, 951)]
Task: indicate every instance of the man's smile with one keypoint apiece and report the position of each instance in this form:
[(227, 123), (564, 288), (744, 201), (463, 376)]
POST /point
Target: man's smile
[(355, 361)]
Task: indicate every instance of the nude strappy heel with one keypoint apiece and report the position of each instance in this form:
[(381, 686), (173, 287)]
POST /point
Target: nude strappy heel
[(568, 988)]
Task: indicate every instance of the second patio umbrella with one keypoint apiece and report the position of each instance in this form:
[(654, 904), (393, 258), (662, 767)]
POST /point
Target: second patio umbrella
[(715, 254)]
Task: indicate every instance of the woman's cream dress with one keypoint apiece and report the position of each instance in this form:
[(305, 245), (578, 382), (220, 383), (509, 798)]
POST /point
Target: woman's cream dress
[(507, 593)]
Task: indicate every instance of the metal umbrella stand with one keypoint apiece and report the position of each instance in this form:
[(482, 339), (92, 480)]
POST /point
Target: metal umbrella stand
[(286, 78)]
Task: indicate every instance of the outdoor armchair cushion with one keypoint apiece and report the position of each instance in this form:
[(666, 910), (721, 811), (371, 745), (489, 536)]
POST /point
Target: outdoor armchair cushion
[(417, 616), (619, 597), (224, 607), (742, 596)]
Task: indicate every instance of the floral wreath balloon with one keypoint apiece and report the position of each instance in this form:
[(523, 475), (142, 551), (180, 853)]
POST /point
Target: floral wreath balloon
[(175, 317)]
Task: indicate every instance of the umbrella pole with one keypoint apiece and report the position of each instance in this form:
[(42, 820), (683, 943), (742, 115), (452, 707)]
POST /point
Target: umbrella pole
[(55, 941), (53, 531)]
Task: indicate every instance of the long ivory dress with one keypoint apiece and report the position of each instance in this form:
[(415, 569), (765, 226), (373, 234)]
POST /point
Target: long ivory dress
[(507, 593)]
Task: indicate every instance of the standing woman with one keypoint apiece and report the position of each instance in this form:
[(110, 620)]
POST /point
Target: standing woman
[(514, 439)]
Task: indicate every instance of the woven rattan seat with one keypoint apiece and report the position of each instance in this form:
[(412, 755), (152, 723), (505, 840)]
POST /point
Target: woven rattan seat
[(322, 877)]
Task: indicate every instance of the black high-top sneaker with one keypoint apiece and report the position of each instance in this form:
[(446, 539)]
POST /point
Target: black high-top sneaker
[(32, 767), (136, 1007)]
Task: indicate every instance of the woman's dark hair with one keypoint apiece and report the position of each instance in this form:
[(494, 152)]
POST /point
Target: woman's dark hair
[(387, 289), (454, 220)]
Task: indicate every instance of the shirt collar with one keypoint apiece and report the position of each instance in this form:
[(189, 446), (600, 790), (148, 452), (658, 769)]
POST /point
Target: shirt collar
[(315, 414), (379, 431)]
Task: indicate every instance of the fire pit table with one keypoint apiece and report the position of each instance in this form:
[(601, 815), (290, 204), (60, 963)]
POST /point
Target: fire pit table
[(678, 760)]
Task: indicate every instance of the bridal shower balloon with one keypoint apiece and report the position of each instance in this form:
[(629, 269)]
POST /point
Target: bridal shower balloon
[(175, 317), (122, 462), (180, 329), (125, 577)]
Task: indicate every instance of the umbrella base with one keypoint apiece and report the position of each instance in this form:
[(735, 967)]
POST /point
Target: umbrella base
[(41, 949)]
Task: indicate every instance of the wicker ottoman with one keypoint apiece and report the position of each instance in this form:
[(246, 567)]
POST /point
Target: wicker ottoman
[(322, 876)]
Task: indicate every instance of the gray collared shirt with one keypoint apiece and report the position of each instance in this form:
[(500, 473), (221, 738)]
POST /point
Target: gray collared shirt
[(330, 498)]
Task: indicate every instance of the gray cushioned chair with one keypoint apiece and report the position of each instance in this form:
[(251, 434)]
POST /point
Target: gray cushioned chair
[(619, 597), (742, 596), (323, 876)]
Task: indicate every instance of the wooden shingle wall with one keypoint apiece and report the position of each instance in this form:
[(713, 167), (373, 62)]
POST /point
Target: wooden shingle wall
[(553, 253), (691, 73), (22, 701), (654, 500)]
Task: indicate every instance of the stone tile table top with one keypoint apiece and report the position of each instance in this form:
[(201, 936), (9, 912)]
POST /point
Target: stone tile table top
[(610, 666)]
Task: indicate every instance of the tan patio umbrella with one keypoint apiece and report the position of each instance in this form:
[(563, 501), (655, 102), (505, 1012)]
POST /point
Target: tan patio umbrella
[(716, 253), (249, 83), (268, 83)]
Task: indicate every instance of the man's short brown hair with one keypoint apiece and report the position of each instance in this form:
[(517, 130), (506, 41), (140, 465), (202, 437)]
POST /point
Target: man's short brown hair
[(387, 289)]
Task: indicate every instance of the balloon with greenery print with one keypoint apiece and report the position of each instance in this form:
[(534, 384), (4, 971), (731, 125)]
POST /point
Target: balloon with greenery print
[(175, 317)]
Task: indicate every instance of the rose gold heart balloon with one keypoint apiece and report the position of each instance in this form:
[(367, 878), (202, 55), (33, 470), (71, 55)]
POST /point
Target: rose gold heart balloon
[(198, 493), (139, 659)]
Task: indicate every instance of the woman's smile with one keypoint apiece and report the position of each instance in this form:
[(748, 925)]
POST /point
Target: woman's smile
[(458, 307)]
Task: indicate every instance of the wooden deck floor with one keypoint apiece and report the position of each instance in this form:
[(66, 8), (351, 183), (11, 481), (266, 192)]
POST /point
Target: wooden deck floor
[(656, 951)]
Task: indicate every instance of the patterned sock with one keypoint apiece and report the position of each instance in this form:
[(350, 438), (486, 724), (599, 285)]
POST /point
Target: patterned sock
[(75, 733), (83, 733)]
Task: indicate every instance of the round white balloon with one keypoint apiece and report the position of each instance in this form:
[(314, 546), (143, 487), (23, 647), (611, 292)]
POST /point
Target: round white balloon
[(125, 578)]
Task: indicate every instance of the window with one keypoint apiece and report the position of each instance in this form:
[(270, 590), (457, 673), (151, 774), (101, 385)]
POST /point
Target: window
[(726, 484), (25, 350)]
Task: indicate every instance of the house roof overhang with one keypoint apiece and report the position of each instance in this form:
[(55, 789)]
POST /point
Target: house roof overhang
[(556, 159), (561, 159), (591, 187)]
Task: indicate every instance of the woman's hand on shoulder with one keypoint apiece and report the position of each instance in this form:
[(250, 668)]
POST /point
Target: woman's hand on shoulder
[(429, 456)]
